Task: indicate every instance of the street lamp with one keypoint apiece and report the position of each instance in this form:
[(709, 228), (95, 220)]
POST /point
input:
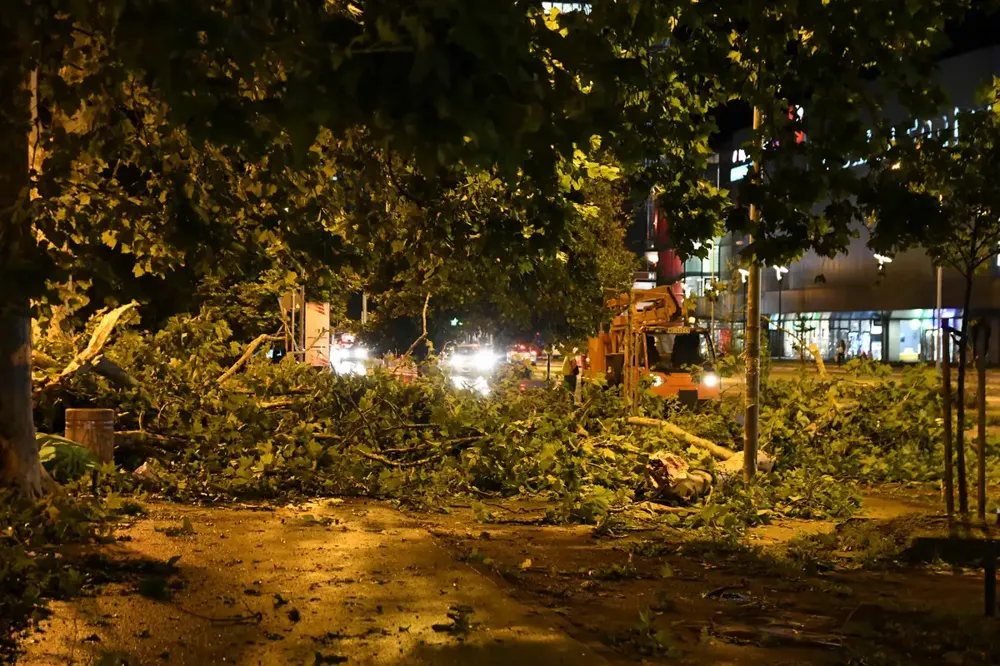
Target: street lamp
[(882, 261), (744, 276), (779, 272)]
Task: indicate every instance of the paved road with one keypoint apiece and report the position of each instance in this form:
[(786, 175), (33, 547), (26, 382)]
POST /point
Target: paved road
[(368, 587)]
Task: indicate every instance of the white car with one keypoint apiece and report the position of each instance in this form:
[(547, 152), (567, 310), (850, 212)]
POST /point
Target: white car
[(349, 360), (471, 366)]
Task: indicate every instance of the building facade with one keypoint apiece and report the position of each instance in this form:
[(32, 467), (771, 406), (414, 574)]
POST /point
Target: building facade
[(882, 307)]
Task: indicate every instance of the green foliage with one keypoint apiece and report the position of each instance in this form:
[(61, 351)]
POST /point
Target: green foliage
[(63, 459), (868, 430), (33, 566), (278, 430)]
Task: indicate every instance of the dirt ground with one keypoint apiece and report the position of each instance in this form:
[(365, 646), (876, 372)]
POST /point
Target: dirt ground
[(361, 582)]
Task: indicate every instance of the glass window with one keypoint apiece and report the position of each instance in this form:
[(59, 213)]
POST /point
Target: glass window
[(672, 352)]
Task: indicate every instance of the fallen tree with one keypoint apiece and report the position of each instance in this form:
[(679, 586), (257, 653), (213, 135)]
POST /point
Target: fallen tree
[(279, 430)]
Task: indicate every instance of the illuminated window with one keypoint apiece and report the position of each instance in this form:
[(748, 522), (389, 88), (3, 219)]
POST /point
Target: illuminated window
[(739, 172), (567, 6)]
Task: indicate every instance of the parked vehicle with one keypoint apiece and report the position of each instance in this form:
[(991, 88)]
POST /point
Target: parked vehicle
[(522, 351)]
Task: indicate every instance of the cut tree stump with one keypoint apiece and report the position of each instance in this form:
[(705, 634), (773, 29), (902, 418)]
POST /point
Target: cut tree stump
[(93, 429)]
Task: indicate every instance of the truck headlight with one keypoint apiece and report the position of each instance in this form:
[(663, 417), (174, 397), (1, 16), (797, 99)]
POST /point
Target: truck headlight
[(710, 379)]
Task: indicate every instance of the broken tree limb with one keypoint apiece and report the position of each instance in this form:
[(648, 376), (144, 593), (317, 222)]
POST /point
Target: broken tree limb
[(251, 348), (720, 452), (812, 348), (143, 434), (113, 372), (455, 445), (99, 338)]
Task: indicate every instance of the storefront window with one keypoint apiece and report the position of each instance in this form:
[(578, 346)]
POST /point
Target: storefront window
[(906, 336)]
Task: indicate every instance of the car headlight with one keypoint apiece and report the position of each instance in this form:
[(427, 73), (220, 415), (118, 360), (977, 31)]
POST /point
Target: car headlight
[(657, 380), (484, 360), (455, 361), (710, 379), (361, 353)]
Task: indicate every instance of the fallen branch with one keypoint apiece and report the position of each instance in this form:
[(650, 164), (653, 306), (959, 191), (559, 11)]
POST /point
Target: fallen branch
[(720, 452), (254, 618), (97, 341), (813, 349), (457, 445), (113, 372), (401, 464), (277, 403), (143, 434), (251, 348)]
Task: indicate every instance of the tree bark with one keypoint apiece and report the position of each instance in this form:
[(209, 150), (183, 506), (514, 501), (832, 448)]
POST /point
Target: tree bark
[(982, 339), (19, 258), (946, 402), (963, 346), (751, 394), (19, 464)]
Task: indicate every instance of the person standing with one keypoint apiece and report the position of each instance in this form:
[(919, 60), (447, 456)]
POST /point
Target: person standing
[(841, 351), (571, 370)]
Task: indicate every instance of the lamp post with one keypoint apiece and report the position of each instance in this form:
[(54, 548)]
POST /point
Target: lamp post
[(779, 272), (744, 278), (940, 327)]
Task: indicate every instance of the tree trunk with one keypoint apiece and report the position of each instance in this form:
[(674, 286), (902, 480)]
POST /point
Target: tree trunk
[(982, 339), (946, 402), (751, 394), (20, 256), (963, 346), (19, 464)]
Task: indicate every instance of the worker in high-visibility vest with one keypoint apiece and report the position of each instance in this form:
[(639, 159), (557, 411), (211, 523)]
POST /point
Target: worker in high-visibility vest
[(571, 371)]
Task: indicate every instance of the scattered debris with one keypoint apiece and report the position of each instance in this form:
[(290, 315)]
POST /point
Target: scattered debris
[(146, 475), (185, 529), (669, 478), (461, 625)]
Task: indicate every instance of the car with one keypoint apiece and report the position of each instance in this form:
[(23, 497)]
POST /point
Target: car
[(471, 366), (521, 352)]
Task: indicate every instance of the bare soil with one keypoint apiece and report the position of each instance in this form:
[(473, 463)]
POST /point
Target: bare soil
[(361, 582)]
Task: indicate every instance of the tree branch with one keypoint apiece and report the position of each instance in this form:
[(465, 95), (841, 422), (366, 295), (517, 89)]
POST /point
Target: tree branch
[(251, 348), (97, 341)]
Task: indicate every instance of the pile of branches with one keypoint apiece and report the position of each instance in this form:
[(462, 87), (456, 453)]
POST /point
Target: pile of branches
[(207, 418)]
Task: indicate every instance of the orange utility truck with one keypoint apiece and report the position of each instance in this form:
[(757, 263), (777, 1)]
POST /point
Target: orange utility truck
[(649, 337)]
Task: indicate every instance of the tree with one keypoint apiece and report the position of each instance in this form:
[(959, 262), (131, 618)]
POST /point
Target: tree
[(938, 193), (502, 256), (164, 130), (822, 58)]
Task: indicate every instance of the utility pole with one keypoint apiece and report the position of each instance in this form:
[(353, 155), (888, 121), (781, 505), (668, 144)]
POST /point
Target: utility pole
[(751, 420), (713, 248), (364, 308), (940, 332)]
